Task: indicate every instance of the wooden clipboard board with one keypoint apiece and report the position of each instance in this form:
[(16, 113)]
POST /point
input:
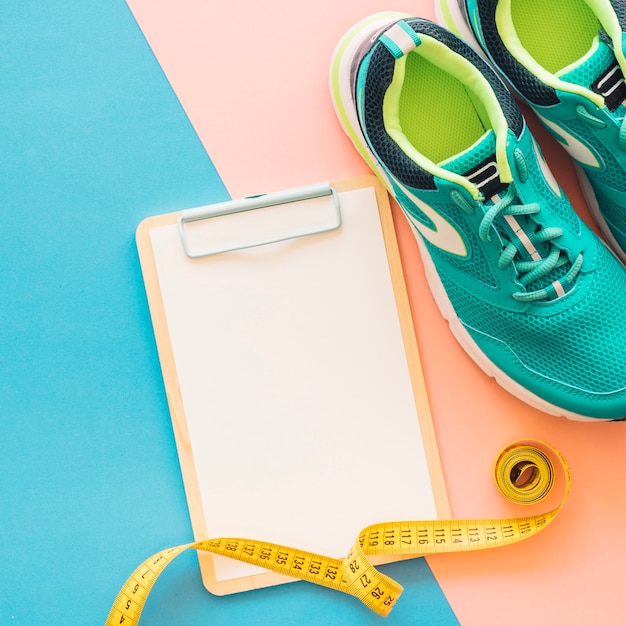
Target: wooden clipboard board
[(293, 380)]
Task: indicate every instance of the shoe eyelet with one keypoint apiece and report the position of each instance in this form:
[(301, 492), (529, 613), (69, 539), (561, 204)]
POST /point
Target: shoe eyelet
[(464, 204)]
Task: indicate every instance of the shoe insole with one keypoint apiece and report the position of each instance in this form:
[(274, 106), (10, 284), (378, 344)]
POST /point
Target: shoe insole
[(436, 113), (555, 33)]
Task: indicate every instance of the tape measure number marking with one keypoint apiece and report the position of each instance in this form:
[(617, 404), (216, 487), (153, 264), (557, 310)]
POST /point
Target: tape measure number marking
[(523, 472)]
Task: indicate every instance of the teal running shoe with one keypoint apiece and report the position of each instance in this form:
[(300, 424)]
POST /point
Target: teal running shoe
[(530, 292), (565, 58)]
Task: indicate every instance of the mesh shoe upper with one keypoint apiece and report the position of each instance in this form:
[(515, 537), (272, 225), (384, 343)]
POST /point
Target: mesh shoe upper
[(532, 293), (566, 59)]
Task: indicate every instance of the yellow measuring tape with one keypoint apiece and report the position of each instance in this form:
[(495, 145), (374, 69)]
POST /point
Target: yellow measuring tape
[(523, 472)]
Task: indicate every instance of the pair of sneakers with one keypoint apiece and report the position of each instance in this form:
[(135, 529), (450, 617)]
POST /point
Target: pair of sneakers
[(535, 298)]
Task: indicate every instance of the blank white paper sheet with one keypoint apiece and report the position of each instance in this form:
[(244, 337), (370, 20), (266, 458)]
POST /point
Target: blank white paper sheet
[(298, 407)]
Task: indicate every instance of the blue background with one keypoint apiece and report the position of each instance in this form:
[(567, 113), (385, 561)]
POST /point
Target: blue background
[(93, 141)]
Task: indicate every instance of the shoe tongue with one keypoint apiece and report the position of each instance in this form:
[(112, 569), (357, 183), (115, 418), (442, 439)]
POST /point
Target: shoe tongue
[(478, 164), (598, 70)]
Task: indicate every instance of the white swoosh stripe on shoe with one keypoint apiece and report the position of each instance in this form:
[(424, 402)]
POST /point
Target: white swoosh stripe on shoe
[(576, 148), (444, 236)]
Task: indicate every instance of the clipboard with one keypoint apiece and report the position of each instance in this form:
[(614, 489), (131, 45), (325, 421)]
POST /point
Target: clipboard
[(292, 371)]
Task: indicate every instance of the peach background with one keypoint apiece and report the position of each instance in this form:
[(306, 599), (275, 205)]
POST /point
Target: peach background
[(253, 79)]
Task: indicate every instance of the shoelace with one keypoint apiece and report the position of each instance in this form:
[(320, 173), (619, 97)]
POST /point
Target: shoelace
[(596, 122), (529, 270)]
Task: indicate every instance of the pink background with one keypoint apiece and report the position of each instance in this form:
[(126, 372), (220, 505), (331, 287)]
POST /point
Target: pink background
[(253, 79)]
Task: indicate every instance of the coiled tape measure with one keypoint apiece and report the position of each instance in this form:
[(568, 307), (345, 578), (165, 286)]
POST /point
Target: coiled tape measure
[(524, 473)]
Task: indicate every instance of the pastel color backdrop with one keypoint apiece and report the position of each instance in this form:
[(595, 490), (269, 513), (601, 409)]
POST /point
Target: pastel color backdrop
[(99, 130), (93, 141), (253, 78)]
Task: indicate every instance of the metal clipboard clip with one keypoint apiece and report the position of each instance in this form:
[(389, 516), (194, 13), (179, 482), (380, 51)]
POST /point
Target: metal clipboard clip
[(258, 202)]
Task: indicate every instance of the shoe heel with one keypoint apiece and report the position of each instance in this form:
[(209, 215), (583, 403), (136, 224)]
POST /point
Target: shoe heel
[(450, 15), (341, 70), (342, 77)]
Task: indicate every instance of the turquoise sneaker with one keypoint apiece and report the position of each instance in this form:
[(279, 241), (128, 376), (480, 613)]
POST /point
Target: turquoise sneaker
[(565, 58), (532, 295)]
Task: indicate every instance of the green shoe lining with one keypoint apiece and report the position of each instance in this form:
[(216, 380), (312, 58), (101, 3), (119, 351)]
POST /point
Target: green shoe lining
[(555, 33), (438, 105), (436, 112)]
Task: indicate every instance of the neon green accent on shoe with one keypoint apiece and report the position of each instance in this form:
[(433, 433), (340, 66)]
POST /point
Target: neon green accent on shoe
[(566, 59), (562, 35), (430, 135), (529, 291), (437, 132)]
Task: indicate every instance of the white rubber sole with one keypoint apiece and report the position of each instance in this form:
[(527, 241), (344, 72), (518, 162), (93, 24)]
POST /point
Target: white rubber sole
[(477, 355), (340, 87)]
